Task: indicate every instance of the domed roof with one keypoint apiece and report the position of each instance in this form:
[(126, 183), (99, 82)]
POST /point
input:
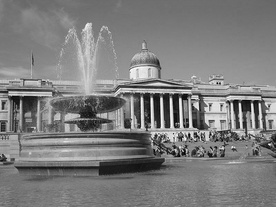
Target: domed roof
[(145, 57)]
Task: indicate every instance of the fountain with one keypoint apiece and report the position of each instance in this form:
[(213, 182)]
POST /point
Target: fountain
[(270, 145), (88, 152)]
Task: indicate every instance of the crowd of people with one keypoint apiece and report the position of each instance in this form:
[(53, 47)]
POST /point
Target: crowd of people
[(182, 150), (200, 136), (180, 137), (198, 151), (222, 139)]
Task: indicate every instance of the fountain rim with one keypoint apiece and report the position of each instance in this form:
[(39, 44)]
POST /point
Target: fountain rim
[(86, 97), (85, 134)]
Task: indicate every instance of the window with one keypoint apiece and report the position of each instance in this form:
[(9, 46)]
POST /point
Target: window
[(201, 124), (221, 107), (193, 107), (137, 73), (149, 73), (222, 124), (3, 125), (268, 107), (212, 123), (270, 124), (72, 127), (210, 106), (4, 105)]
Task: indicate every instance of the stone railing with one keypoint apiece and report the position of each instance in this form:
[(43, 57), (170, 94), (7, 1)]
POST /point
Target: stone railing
[(9, 145), (4, 136)]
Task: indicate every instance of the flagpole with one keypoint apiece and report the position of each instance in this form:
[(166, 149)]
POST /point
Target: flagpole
[(31, 64)]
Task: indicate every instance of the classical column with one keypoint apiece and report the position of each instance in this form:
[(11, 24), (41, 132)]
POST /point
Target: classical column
[(21, 114), (50, 115), (151, 111), (142, 106), (180, 103), (190, 111), (116, 121), (122, 115), (38, 115), (228, 115), (260, 115), (240, 114), (132, 110), (62, 119), (232, 114), (162, 111), (198, 115), (171, 111), (10, 111), (253, 115)]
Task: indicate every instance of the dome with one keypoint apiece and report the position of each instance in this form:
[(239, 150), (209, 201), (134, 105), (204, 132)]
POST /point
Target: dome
[(145, 57)]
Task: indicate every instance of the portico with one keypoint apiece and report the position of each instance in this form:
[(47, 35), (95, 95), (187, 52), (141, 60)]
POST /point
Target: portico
[(155, 104), (245, 113), (25, 104)]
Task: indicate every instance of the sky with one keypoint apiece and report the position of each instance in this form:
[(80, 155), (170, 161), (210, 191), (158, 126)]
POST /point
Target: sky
[(234, 38)]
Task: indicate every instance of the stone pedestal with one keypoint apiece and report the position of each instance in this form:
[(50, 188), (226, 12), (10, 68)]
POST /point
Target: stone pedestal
[(86, 154)]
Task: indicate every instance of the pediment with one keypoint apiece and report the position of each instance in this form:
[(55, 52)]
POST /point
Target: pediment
[(156, 83)]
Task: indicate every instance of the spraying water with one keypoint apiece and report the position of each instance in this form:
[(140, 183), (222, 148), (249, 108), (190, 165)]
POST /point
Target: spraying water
[(86, 52)]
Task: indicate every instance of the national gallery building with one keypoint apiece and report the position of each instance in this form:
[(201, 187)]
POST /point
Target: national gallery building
[(152, 103)]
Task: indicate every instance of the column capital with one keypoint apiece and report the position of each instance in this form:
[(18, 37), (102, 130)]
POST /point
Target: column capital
[(240, 101)]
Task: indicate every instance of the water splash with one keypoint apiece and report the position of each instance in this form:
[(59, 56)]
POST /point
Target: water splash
[(86, 52)]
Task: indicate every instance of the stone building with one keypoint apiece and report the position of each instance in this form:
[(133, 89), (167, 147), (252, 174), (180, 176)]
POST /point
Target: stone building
[(152, 103)]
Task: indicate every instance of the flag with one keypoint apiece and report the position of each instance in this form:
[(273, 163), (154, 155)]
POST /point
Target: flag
[(32, 59)]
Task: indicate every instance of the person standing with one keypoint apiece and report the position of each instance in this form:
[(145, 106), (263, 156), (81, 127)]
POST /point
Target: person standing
[(173, 138), (215, 151)]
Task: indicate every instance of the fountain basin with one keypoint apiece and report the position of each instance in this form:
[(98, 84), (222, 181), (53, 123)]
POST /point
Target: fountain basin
[(86, 154), (87, 103)]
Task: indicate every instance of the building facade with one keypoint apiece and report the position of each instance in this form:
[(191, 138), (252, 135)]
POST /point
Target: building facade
[(152, 103)]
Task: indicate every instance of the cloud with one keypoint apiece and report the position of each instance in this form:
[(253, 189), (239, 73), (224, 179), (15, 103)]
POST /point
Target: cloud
[(44, 72), (14, 72), (44, 27), (47, 72), (64, 19), (1, 9), (118, 5)]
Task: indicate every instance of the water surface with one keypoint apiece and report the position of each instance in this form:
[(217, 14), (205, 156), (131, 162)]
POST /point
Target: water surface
[(178, 183)]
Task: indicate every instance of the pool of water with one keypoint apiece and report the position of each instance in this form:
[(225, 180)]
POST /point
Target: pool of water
[(177, 183)]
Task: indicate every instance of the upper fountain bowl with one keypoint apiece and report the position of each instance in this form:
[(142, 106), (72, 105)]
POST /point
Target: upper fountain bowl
[(88, 103)]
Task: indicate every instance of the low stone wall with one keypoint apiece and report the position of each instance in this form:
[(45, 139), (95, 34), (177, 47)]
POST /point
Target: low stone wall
[(9, 145)]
